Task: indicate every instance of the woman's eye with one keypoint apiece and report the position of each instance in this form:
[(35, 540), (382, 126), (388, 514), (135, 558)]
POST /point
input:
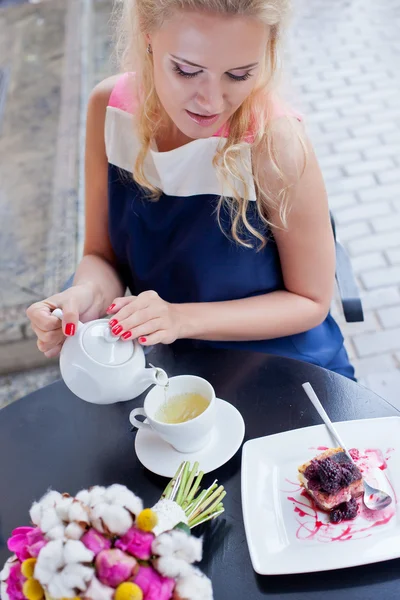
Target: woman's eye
[(184, 73), (243, 77)]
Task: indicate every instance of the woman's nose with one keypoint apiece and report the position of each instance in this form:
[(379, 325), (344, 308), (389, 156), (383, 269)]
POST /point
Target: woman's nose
[(210, 97)]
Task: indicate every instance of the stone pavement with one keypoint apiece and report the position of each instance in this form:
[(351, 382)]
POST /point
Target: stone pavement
[(343, 58)]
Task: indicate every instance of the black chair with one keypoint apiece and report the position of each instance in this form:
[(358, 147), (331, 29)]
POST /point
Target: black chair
[(348, 288)]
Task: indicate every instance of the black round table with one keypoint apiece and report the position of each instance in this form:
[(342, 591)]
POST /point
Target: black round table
[(52, 439)]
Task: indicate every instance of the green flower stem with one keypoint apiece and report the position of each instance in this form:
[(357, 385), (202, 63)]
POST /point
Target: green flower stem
[(209, 499), (170, 486), (193, 507), (209, 511), (189, 484), (195, 487), (182, 484), (203, 519)]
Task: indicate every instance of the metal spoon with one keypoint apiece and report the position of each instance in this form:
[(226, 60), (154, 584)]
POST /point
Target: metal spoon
[(373, 499)]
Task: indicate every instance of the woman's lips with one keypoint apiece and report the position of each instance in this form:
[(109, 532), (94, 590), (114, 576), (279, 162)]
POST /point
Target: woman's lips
[(203, 120)]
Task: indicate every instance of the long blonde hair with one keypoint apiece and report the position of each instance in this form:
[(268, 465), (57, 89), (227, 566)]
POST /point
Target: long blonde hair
[(137, 17)]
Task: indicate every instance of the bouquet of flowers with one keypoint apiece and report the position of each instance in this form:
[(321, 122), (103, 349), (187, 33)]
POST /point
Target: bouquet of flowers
[(102, 545)]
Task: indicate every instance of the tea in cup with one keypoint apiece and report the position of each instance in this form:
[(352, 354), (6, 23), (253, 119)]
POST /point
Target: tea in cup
[(182, 414)]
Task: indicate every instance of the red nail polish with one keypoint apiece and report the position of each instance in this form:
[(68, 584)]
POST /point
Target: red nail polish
[(112, 323), (110, 308), (142, 340), (70, 329), (126, 335), (117, 329)]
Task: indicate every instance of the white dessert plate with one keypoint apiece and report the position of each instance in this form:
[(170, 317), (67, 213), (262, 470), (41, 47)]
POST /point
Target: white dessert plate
[(285, 533), (161, 458)]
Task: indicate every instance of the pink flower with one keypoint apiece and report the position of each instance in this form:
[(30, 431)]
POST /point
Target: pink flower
[(95, 541), (136, 542), (26, 542), (15, 581), (153, 585), (114, 566), (36, 541)]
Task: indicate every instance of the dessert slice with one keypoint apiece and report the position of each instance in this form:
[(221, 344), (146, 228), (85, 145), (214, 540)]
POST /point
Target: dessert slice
[(332, 479)]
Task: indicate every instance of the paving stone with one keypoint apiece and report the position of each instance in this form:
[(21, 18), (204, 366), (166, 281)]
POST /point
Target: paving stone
[(366, 262), (381, 167), (353, 184), (389, 317), (381, 277), (370, 344), (387, 223), (332, 174), (342, 159), (381, 297), (386, 385), (354, 231), (356, 144), (371, 129), (369, 243), (373, 364), (338, 201), (382, 150), (345, 122), (363, 211), (393, 256), (369, 325), (392, 176)]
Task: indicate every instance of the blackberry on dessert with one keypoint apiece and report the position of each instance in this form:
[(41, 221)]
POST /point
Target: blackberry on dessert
[(333, 481)]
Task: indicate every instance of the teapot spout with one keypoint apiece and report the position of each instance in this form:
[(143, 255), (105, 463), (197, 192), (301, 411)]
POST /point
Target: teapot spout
[(158, 376)]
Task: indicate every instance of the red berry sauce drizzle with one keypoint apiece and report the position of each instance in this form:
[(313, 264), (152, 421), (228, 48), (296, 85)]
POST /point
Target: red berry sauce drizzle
[(313, 523)]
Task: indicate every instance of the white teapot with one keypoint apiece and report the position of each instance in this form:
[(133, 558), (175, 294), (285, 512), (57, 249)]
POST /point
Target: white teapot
[(101, 368)]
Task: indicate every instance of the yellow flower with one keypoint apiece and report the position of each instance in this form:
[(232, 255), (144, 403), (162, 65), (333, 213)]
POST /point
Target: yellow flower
[(147, 520), (27, 567), (128, 591), (32, 589)]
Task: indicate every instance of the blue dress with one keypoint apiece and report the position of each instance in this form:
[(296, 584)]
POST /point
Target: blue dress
[(176, 246)]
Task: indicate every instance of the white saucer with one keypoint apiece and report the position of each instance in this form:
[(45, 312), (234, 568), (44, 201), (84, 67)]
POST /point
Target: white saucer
[(161, 458)]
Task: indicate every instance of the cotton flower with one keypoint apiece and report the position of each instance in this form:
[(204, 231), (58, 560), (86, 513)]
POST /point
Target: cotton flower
[(74, 531), (120, 495), (78, 513), (170, 566), (194, 586), (98, 591), (45, 515), (60, 568), (111, 510), (62, 507), (176, 550), (178, 544)]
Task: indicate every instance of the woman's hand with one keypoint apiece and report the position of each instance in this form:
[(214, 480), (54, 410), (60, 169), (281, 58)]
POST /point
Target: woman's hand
[(146, 317), (78, 302)]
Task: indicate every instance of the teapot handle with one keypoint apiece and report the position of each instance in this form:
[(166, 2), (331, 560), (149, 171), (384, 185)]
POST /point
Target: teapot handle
[(57, 312)]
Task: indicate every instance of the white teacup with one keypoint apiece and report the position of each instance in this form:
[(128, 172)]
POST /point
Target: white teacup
[(189, 436)]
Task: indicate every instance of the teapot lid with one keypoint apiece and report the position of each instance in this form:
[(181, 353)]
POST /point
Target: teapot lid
[(105, 348)]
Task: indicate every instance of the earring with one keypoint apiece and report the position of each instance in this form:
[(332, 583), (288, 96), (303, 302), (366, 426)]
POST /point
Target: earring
[(149, 49)]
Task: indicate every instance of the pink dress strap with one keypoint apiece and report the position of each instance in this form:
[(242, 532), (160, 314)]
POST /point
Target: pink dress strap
[(124, 95)]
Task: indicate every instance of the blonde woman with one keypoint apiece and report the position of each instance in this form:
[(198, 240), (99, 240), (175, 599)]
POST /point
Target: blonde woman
[(203, 193)]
